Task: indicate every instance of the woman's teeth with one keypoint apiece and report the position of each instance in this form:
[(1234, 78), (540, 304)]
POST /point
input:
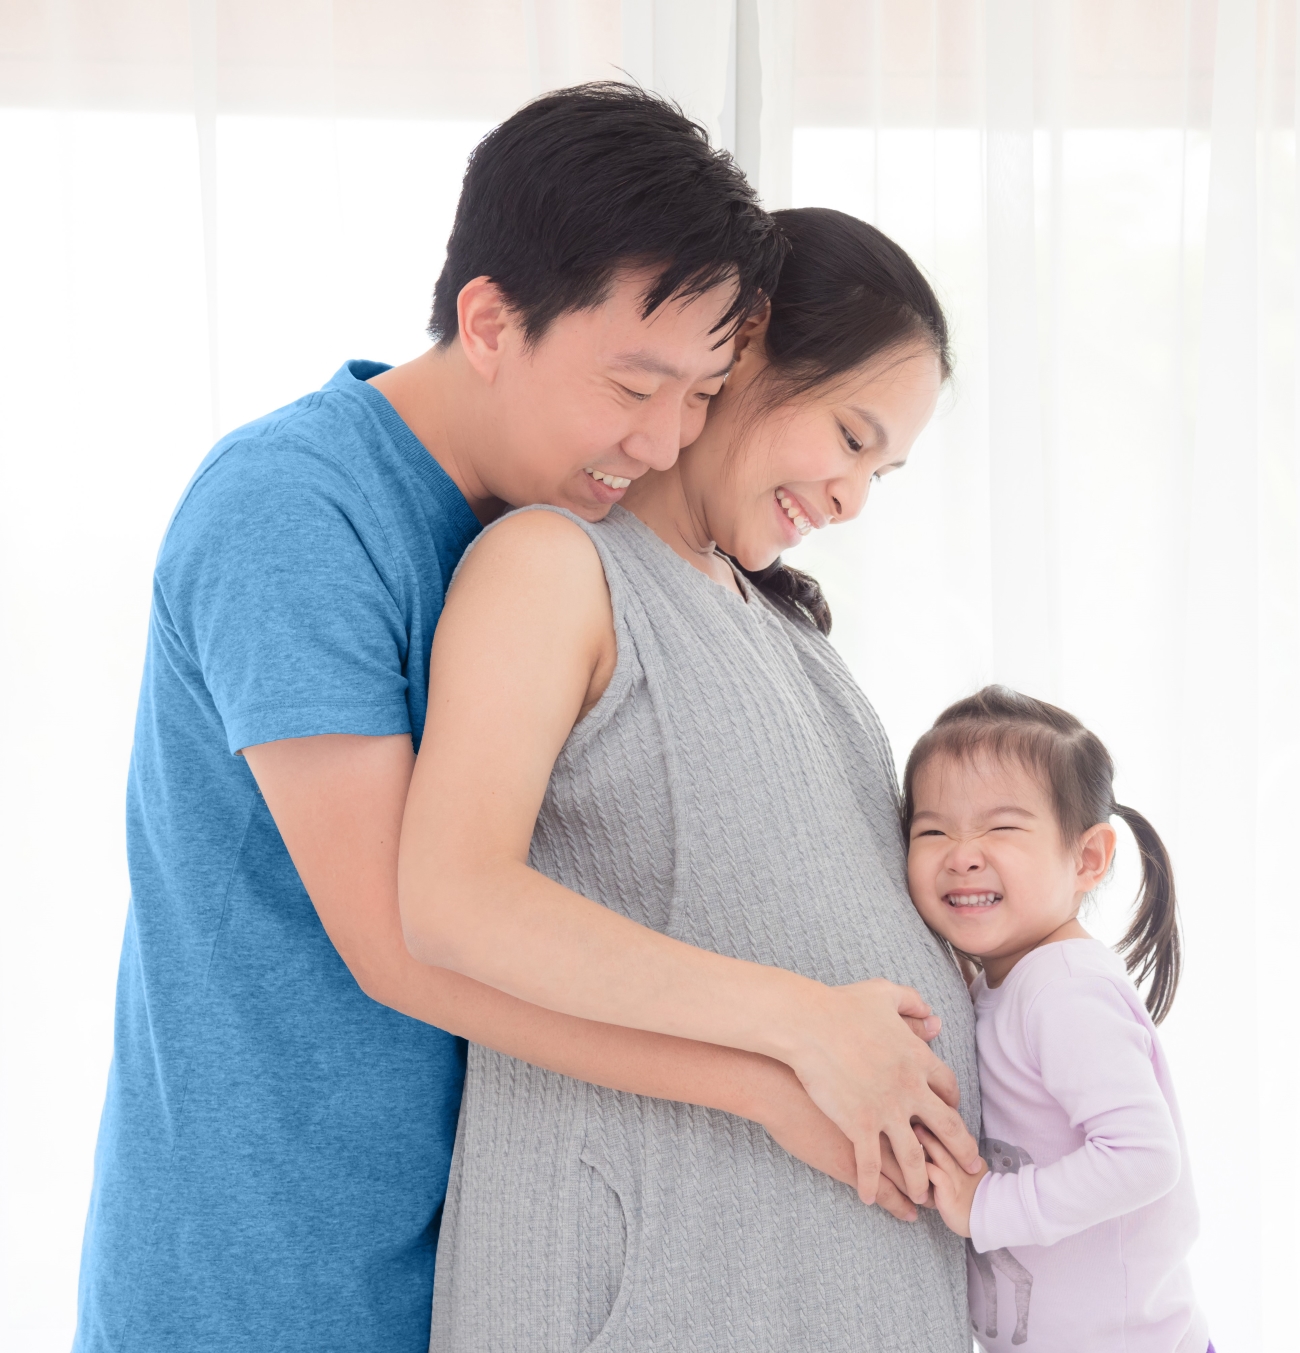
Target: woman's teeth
[(793, 511), (972, 899), (614, 481)]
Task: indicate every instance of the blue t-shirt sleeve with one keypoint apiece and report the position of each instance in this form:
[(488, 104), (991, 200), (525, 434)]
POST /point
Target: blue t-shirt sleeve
[(273, 580)]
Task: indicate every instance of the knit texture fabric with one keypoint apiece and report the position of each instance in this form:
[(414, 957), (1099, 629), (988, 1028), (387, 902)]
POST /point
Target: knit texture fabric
[(734, 789)]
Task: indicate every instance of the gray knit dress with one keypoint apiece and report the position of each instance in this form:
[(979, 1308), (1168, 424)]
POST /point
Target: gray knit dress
[(733, 789)]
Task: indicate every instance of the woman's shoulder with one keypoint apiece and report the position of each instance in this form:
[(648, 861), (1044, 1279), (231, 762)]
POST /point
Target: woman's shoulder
[(534, 545)]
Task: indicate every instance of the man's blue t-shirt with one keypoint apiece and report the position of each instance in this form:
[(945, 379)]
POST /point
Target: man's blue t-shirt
[(274, 1148)]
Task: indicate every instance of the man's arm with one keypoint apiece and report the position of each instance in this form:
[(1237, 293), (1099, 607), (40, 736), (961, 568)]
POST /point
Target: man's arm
[(338, 801)]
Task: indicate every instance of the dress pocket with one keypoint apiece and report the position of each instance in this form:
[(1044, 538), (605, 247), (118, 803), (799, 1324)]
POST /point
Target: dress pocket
[(606, 1245)]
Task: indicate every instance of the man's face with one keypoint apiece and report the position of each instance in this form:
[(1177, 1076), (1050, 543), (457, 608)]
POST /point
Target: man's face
[(604, 396)]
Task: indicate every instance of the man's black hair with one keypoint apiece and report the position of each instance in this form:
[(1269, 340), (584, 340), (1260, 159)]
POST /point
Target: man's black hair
[(584, 181)]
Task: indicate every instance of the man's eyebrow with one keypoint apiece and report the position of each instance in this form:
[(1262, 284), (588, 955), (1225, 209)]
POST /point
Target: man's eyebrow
[(656, 366)]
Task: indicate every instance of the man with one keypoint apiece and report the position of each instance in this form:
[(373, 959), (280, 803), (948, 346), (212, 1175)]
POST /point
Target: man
[(283, 1097)]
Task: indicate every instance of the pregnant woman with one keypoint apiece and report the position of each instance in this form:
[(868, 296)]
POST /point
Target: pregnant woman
[(651, 794)]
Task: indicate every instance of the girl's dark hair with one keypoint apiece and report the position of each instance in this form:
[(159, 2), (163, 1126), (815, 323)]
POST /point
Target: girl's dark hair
[(846, 294), (584, 181), (1077, 771)]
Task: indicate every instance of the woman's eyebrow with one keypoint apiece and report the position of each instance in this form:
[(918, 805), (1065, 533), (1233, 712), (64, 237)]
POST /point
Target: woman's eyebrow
[(874, 423)]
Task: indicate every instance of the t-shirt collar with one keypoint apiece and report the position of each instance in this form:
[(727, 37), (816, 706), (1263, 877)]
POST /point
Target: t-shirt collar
[(353, 377)]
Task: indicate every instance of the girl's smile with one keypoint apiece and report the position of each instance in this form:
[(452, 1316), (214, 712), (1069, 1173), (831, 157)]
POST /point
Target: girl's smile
[(987, 866)]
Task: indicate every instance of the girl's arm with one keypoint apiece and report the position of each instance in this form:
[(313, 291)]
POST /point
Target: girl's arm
[(524, 648), (1094, 1059)]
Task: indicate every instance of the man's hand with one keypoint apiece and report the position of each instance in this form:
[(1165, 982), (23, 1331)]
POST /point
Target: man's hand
[(798, 1126), (954, 1188), (862, 1065), (338, 799)]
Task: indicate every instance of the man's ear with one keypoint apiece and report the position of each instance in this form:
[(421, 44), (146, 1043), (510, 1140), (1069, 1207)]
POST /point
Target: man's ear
[(483, 319), (754, 330), (1096, 850)]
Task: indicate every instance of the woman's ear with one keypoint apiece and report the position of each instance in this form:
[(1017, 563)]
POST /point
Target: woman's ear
[(753, 331), (1095, 851)]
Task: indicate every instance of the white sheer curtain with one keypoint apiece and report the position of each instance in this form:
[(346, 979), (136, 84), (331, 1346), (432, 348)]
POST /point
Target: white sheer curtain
[(208, 206)]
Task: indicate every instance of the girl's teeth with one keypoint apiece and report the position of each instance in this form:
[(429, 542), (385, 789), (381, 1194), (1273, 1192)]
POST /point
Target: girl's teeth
[(972, 900), (614, 481)]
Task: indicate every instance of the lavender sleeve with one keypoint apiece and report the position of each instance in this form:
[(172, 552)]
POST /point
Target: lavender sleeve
[(1093, 1055)]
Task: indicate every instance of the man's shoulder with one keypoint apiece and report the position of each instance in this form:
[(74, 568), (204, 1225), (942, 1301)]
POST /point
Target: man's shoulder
[(305, 455), (302, 443)]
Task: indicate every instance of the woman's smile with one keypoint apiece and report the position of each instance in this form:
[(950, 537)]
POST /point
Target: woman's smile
[(796, 520)]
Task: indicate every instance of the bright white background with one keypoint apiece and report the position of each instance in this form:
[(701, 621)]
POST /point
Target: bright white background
[(208, 207)]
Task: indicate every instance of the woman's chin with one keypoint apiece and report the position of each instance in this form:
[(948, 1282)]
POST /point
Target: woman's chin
[(756, 560)]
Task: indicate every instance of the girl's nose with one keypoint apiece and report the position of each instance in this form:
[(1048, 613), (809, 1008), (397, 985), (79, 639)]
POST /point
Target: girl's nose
[(965, 858)]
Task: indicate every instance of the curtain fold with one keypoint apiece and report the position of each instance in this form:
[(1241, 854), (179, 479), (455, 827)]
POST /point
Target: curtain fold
[(212, 203)]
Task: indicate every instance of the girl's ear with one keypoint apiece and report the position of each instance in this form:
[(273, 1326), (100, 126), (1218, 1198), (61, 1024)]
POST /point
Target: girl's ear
[(1095, 851)]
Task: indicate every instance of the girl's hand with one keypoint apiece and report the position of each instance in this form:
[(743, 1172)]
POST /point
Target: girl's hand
[(954, 1188), (855, 1054)]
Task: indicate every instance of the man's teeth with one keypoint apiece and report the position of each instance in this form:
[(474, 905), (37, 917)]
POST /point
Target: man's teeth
[(791, 510), (972, 899), (614, 481)]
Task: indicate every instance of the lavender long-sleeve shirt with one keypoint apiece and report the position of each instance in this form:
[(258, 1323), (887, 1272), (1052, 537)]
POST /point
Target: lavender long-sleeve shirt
[(1080, 1233)]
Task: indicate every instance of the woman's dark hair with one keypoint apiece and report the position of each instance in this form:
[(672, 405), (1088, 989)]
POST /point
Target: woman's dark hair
[(584, 181), (846, 294), (1077, 772)]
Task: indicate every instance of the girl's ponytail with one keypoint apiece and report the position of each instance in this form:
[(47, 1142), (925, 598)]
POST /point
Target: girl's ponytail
[(1152, 948)]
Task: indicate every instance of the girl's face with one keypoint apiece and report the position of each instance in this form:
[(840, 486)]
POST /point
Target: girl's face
[(986, 864), (764, 481)]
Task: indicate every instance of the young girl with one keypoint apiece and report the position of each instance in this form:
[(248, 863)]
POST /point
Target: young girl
[(1080, 1226)]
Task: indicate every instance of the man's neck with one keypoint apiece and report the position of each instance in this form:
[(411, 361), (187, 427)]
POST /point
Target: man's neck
[(436, 396)]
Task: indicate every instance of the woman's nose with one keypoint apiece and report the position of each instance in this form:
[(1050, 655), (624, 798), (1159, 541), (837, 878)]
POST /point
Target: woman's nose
[(848, 497)]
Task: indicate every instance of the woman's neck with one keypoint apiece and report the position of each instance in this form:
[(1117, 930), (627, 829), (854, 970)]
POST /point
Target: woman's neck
[(662, 500)]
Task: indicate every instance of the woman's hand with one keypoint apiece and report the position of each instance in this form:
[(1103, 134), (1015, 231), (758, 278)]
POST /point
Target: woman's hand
[(798, 1126), (954, 1188), (862, 1065)]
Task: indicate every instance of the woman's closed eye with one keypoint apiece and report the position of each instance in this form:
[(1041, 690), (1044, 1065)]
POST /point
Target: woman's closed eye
[(853, 444), (638, 395)]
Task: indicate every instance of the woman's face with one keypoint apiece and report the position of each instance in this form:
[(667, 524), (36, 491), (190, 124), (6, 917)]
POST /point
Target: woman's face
[(763, 481)]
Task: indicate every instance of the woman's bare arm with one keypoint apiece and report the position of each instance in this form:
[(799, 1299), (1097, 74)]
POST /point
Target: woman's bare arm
[(338, 800), (523, 649)]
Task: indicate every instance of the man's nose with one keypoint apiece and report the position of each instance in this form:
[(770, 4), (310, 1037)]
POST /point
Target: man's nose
[(657, 438)]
